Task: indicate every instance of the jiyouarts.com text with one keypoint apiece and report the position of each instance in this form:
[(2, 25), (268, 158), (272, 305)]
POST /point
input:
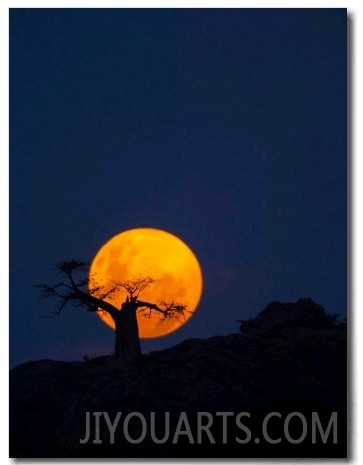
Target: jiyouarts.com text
[(219, 427)]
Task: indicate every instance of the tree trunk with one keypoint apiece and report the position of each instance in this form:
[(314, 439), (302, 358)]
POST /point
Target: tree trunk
[(127, 344)]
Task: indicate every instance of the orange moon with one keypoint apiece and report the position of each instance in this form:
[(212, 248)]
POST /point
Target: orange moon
[(148, 252)]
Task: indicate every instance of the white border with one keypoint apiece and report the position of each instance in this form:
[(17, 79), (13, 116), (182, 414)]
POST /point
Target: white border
[(355, 11), (4, 228), (176, 4)]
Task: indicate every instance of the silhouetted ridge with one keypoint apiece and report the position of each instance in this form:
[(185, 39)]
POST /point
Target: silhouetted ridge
[(290, 357)]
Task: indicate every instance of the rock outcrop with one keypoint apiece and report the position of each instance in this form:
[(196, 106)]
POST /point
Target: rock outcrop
[(304, 313)]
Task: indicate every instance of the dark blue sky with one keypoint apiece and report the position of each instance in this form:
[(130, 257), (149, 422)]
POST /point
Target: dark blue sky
[(224, 127)]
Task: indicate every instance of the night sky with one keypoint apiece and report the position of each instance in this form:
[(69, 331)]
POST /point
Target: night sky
[(226, 128)]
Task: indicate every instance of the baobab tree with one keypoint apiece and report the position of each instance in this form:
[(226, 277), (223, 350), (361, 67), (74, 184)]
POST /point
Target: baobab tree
[(78, 288)]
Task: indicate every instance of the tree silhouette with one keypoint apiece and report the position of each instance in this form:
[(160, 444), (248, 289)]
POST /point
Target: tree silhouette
[(77, 288)]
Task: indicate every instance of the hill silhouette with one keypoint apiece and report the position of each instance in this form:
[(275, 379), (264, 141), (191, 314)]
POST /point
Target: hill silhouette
[(292, 357)]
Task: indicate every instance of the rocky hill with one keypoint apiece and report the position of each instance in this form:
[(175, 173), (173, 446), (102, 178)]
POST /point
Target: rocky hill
[(291, 358)]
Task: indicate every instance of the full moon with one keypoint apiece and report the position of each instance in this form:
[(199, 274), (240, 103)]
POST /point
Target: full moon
[(154, 253)]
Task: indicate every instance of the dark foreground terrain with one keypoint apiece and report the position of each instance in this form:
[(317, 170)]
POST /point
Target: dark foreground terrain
[(290, 358)]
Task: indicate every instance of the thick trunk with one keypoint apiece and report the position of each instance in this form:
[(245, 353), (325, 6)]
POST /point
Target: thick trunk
[(127, 344)]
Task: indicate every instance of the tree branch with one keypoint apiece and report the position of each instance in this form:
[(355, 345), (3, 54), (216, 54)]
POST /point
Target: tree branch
[(76, 290), (170, 310)]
